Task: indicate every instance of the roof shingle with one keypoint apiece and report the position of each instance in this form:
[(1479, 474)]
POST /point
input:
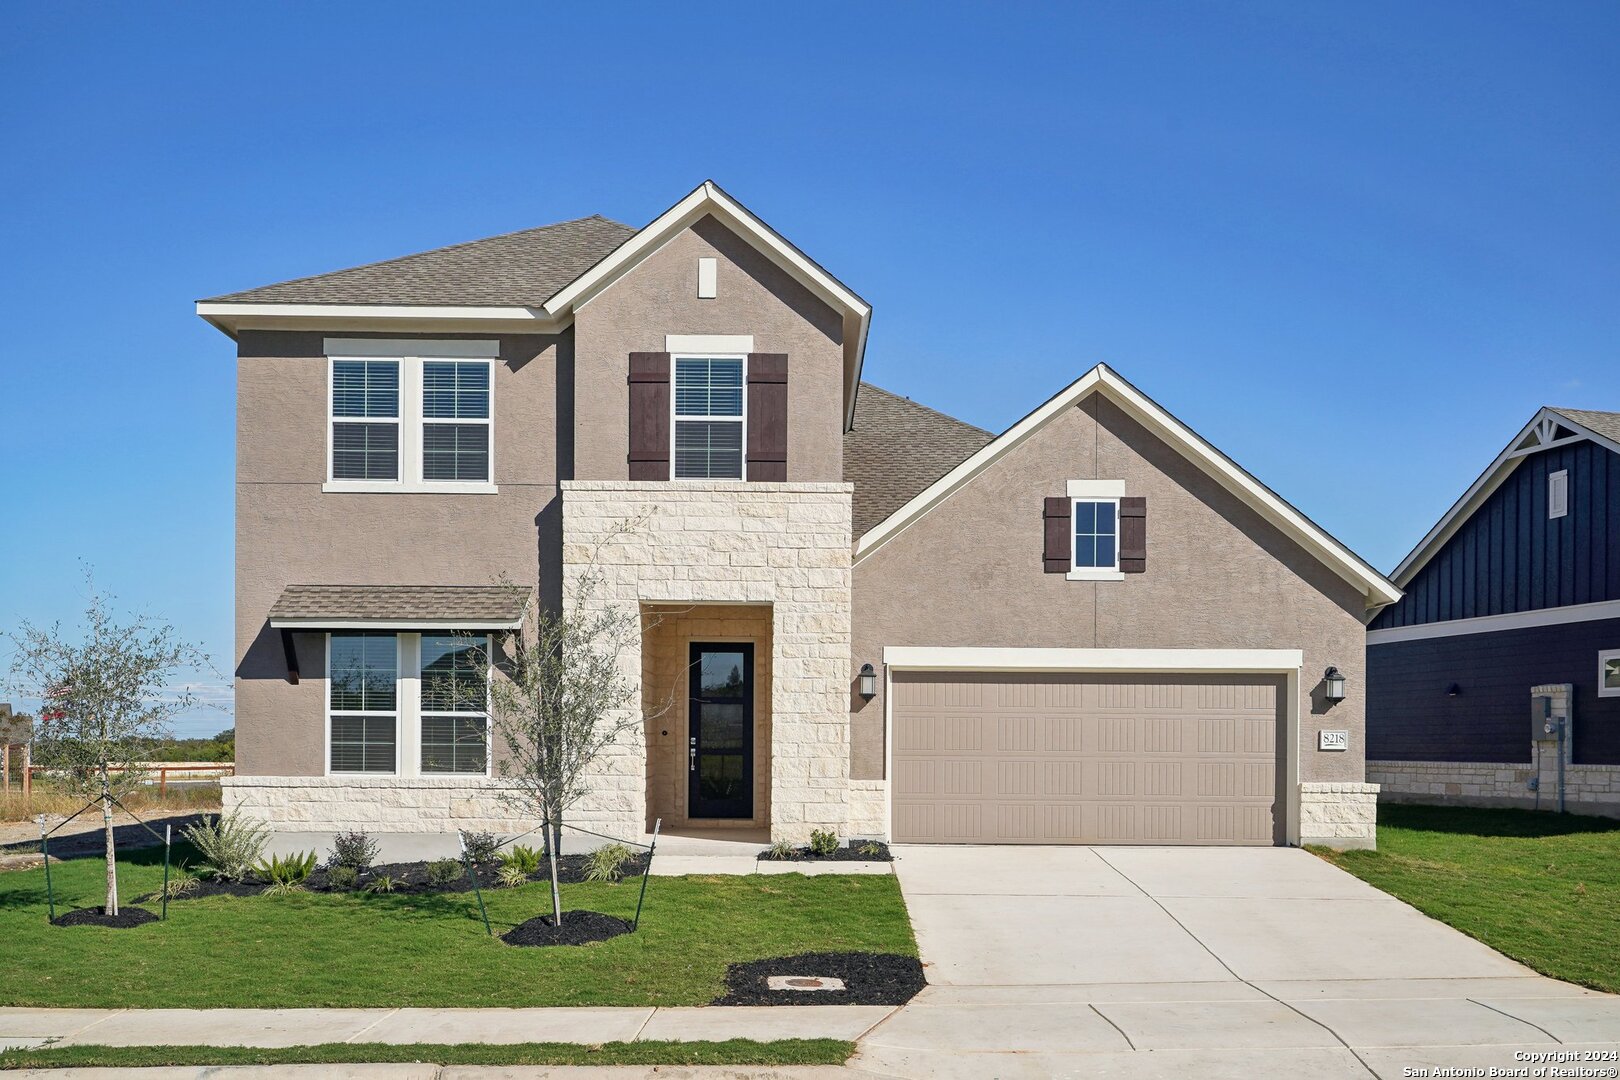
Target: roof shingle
[(897, 448), (453, 606), (516, 269), (1606, 424)]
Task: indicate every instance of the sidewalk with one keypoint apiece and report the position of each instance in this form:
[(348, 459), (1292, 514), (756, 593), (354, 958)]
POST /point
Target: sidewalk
[(22, 1028)]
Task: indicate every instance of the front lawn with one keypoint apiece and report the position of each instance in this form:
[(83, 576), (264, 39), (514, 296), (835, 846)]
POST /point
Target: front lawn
[(424, 950), (1541, 888), (730, 1052)]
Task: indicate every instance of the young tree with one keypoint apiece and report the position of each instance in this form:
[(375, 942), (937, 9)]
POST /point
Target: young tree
[(560, 696), (105, 702)]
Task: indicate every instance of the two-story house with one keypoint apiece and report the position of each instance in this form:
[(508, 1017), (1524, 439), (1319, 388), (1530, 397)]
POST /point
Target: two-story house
[(858, 614), (1496, 678)]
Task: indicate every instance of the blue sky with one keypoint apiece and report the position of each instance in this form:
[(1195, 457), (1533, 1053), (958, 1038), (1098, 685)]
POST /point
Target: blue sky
[(1353, 245)]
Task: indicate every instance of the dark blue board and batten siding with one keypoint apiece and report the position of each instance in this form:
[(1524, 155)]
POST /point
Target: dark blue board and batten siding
[(1510, 556)]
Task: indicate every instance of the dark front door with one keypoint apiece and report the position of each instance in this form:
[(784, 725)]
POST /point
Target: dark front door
[(720, 751)]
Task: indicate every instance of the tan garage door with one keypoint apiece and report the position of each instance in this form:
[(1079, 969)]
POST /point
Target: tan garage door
[(999, 758)]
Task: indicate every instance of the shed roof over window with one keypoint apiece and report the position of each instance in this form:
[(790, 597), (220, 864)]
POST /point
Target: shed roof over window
[(399, 607)]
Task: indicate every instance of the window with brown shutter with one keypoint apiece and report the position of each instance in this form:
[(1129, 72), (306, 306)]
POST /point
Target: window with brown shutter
[(1133, 534), (649, 416), (767, 416), (1057, 512)]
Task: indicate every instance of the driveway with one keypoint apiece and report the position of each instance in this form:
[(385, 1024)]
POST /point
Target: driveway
[(1241, 962)]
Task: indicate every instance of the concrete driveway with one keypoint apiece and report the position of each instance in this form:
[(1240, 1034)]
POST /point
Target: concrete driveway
[(1241, 962)]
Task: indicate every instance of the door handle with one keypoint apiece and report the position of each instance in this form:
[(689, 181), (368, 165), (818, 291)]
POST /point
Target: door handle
[(691, 755)]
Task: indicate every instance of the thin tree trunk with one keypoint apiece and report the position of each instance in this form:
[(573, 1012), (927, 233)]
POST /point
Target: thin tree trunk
[(556, 894), (112, 865)]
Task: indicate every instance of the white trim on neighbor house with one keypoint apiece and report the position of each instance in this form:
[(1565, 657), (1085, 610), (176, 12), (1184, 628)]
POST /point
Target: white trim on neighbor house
[(1284, 662), (1558, 494), (1540, 434), (1101, 379), (1604, 657), (1486, 624), (708, 343)]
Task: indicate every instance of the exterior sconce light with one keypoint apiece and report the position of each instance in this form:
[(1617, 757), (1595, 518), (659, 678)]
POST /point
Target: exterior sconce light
[(1453, 690), (868, 682), (1332, 684)]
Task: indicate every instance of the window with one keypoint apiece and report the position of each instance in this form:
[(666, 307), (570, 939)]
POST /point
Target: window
[(403, 422), (708, 418), (455, 704), (364, 702), (1609, 673), (1558, 494), (1096, 534), (365, 420)]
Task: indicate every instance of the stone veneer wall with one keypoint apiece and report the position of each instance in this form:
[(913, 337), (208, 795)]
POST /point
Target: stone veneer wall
[(1340, 815), (375, 804), (869, 809), (730, 542), (1588, 789)]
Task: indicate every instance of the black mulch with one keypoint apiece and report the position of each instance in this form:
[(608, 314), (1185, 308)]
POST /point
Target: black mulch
[(578, 928), (412, 878), (850, 852), (97, 916), (869, 979)]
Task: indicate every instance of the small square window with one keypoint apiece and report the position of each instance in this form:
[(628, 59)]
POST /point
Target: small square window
[(1609, 673), (1096, 534)]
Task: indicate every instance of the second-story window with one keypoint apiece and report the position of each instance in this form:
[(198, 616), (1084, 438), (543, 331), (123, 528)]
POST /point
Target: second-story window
[(455, 390), (365, 419), (708, 428)]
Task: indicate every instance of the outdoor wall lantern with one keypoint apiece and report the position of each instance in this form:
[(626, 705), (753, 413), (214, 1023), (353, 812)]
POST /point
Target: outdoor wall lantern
[(1332, 684), (1453, 690), (868, 682)]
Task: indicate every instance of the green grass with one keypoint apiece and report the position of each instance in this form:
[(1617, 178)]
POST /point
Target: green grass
[(732, 1052), (394, 950), (1541, 888)]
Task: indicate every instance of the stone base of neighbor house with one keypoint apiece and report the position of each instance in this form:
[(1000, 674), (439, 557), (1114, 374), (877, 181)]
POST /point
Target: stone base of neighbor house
[(1588, 789), (1339, 815)]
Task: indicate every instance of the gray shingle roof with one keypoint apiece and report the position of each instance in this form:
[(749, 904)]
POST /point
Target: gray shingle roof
[(896, 448), (454, 606), (1606, 424), (516, 269)]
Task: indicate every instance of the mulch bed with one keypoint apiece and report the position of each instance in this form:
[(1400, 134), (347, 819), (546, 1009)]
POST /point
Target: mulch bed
[(126, 918), (578, 928), (869, 979), (850, 852), (412, 878)]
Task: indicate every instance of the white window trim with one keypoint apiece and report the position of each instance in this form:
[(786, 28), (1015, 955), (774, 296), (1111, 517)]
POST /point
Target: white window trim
[(407, 714), (396, 712), (675, 418), (1558, 494), (1603, 658), (410, 420), (1094, 573)]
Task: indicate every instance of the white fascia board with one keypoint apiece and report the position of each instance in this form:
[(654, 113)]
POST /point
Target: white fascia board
[(1495, 474), (1189, 661), (1487, 624), (404, 625), (369, 311), (1311, 536)]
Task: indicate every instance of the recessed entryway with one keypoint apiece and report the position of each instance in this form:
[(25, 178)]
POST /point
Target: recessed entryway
[(720, 730)]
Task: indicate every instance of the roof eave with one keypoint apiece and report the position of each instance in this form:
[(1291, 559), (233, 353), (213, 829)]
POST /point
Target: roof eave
[(232, 317)]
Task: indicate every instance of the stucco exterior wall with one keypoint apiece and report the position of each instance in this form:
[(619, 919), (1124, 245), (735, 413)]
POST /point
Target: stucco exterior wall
[(755, 297), (288, 531), (724, 542), (969, 573)]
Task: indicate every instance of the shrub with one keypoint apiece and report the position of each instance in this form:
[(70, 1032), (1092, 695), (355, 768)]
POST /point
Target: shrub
[(228, 846), (181, 885), (526, 859), (482, 847), (511, 876), (871, 850), (382, 883), (442, 872), (342, 877), (823, 842), (606, 863), (779, 850), (287, 871), (354, 849), (282, 888)]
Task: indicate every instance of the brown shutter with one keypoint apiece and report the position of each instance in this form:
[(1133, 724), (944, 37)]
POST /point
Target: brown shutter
[(1059, 514), (767, 416), (649, 416), (1133, 534)]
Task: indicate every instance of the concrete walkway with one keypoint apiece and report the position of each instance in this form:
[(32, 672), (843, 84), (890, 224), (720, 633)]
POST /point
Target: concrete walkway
[(1206, 962)]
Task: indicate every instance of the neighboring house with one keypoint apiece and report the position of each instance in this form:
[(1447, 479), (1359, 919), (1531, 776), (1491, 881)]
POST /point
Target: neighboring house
[(1092, 627), (1510, 631)]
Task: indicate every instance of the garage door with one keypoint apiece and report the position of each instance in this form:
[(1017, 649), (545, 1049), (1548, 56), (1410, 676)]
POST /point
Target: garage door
[(998, 758)]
